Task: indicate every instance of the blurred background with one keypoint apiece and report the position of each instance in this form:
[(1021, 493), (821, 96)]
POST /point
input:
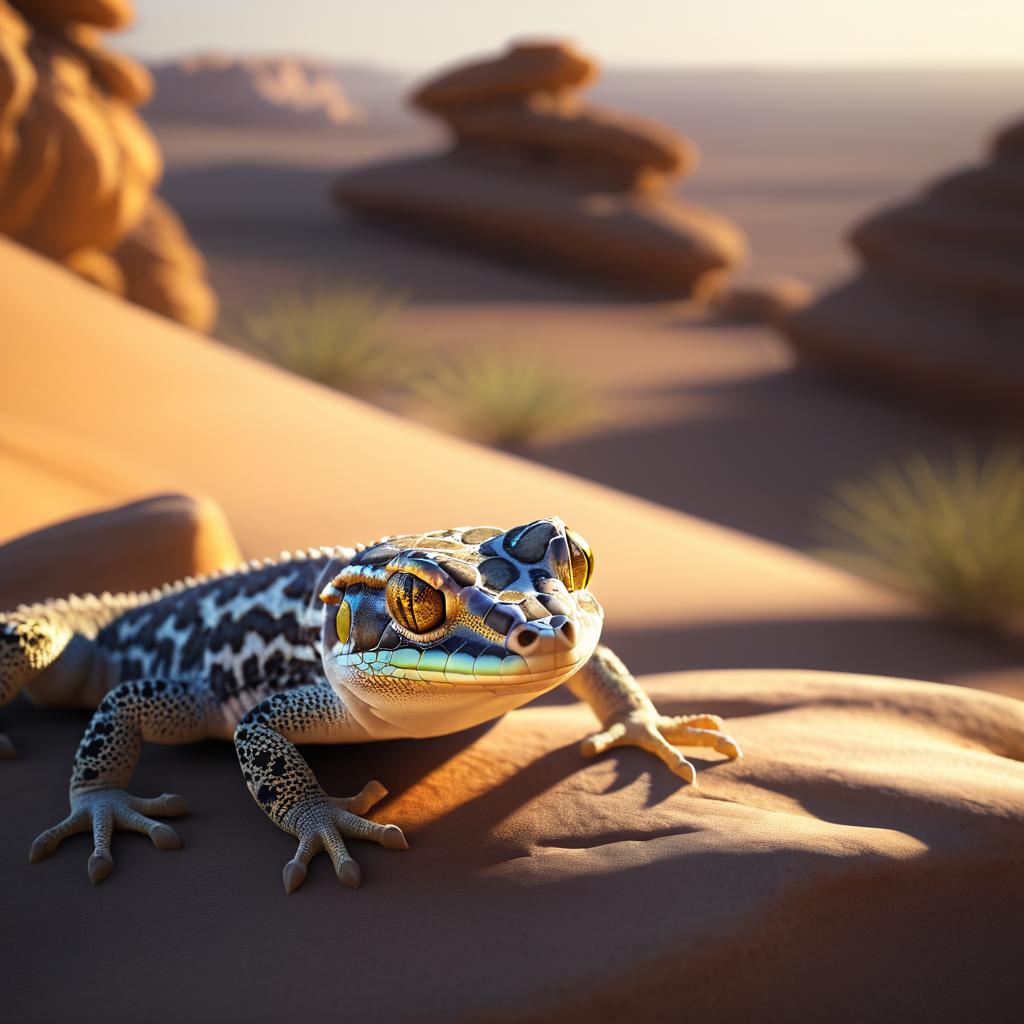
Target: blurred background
[(758, 264)]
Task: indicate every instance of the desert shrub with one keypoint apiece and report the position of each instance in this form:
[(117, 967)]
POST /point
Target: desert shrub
[(505, 398), (342, 336), (949, 533)]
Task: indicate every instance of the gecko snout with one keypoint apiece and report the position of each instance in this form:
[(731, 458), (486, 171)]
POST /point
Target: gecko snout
[(537, 638)]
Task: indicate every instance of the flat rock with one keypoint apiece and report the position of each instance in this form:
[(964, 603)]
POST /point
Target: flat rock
[(652, 244), (526, 68), (868, 843), (968, 249), (923, 343), (590, 143)]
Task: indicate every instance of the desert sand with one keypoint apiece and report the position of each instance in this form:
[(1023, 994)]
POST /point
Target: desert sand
[(868, 844), (278, 455)]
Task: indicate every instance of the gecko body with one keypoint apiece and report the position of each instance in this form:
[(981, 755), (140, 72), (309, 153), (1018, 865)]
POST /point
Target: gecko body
[(416, 635)]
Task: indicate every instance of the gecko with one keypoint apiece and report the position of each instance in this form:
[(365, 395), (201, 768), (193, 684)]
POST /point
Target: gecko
[(416, 635)]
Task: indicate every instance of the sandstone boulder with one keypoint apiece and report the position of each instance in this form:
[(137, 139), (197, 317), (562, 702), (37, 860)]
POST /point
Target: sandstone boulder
[(163, 271), (77, 164), (938, 309), (539, 175)]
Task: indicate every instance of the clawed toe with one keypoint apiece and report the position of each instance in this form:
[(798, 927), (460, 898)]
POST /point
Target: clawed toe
[(349, 874), (102, 811), (165, 838), (394, 838), (372, 793), (294, 875), (323, 823), (100, 865)]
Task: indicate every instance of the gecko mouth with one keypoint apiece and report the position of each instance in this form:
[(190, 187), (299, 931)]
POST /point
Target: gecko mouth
[(491, 672)]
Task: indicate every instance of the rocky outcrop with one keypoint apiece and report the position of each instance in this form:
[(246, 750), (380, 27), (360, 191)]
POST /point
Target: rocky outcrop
[(938, 308), (540, 175), (77, 165), (263, 92)]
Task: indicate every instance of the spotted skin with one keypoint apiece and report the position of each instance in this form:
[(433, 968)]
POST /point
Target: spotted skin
[(416, 635)]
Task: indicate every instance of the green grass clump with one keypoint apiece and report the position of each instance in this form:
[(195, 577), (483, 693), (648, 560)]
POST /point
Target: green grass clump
[(341, 336), (950, 534), (506, 399)]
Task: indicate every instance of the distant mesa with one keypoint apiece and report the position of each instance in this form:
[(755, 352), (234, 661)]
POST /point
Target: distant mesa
[(78, 166), (264, 92), (539, 175), (938, 307)]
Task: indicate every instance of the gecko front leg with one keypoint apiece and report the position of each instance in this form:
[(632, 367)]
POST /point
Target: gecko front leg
[(157, 710), (629, 718), (285, 787)]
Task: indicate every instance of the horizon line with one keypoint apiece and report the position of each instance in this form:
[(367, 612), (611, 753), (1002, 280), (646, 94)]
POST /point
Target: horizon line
[(733, 66)]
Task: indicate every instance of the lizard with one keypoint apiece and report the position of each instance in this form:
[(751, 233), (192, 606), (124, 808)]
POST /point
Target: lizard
[(415, 635)]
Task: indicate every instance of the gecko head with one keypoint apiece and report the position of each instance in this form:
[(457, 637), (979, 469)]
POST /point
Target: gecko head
[(468, 610)]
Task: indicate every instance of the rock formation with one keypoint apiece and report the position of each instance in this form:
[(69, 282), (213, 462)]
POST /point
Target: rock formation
[(78, 166), (540, 175), (938, 308), (256, 92)]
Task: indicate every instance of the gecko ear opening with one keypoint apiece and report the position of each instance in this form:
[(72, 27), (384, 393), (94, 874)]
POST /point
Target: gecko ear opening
[(334, 592)]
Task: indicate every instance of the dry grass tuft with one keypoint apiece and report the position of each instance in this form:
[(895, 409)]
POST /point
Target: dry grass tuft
[(506, 401), (950, 534), (341, 336)]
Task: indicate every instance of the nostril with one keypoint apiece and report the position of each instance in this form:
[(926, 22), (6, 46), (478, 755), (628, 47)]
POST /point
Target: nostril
[(568, 631), (526, 637)]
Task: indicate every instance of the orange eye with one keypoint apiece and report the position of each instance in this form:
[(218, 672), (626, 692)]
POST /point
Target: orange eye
[(581, 560), (413, 604)]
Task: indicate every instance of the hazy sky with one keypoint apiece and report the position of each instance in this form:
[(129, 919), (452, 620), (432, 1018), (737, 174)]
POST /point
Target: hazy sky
[(421, 34)]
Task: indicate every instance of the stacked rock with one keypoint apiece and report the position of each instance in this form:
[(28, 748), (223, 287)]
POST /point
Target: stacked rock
[(938, 308), (77, 164), (540, 175)]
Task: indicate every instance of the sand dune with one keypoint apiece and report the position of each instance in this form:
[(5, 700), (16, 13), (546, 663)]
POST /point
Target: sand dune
[(872, 831), (293, 464)]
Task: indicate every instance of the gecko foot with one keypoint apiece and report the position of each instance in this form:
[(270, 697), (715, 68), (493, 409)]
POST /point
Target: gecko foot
[(657, 734), (103, 811), (324, 822), (7, 751)]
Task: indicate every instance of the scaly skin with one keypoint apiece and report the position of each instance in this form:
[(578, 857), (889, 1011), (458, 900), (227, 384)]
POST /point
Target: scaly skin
[(414, 636)]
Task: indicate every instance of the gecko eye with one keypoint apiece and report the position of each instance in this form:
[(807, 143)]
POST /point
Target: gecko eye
[(581, 561), (414, 604), (344, 622)]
